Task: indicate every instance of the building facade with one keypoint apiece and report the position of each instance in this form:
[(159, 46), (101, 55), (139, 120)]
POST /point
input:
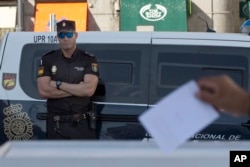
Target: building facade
[(105, 15)]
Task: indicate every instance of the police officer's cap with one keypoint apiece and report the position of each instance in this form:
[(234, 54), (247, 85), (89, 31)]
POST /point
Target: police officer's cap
[(65, 25)]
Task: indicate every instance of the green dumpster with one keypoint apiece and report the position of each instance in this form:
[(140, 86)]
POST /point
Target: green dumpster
[(159, 15)]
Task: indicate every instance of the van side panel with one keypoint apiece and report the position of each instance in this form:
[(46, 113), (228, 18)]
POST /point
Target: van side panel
[(173, 65), (137, 69)]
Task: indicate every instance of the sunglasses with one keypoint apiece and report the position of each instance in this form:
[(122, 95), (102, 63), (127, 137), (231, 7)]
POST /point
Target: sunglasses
[(67, 34)]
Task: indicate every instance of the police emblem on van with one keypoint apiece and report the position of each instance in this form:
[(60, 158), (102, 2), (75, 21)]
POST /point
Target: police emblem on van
[(9, 81), (17, 124), (153, 12)]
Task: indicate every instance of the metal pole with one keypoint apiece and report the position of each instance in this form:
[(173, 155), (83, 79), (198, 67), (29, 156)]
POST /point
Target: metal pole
[(52, 19), (19, 26)]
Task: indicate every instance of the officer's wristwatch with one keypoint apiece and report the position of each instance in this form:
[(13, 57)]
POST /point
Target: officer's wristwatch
[(58, 84)]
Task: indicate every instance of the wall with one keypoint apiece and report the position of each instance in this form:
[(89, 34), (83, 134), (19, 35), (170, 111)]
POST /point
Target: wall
[(28, 15), (10, 25), (221, 15), (103, 15)]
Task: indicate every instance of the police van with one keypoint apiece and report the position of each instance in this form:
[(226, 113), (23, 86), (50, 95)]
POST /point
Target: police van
[(137, 69)]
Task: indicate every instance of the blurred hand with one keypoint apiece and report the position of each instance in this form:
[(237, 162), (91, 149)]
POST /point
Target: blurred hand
[(224, 94)]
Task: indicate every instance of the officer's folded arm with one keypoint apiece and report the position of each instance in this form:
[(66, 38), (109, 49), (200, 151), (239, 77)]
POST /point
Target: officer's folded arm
[(85, 88), (47, 90)]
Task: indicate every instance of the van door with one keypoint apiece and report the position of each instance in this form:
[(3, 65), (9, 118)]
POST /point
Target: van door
[(174, 64), (122, 93)]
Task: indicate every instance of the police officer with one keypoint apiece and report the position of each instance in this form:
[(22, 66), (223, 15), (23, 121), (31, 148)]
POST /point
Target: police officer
[(67, 78)]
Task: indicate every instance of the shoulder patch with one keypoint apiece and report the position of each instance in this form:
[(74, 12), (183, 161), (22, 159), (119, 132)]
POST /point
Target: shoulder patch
[(40, 71), (94, 67)]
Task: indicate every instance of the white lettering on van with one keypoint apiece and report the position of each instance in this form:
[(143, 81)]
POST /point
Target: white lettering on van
[(234, 137), (216, 137), (209, 137), (45, 39)]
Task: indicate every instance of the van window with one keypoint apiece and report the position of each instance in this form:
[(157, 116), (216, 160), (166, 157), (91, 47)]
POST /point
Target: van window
[(175, 65), (30, 60), (122, 70), (1, 51)]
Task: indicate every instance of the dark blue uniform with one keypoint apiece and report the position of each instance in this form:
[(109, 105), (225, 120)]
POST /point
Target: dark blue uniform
[(73, 108)]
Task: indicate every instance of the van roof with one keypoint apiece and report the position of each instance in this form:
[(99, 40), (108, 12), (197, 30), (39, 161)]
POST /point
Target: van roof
[(133, 37), (202, 35)]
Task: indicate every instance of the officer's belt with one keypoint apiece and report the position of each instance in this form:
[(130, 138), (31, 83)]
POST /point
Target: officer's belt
[(67, 118)]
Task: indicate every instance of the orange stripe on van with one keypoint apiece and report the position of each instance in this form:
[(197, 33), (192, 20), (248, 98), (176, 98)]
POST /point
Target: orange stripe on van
[(71, 11)]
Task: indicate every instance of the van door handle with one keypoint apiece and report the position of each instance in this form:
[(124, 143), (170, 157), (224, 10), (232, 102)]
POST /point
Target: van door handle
[(247, 125), (41, 116)]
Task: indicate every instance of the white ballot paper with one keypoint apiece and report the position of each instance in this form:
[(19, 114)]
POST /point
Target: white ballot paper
[(177, 117)]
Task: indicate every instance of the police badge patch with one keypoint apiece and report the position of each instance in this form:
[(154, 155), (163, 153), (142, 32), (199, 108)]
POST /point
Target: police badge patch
[(9, 81), (94, 67)]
